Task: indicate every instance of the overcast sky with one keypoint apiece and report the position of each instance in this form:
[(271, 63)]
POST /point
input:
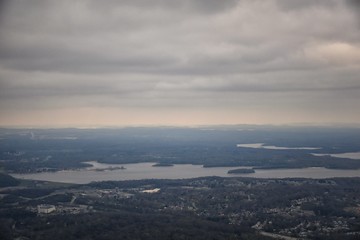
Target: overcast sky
[(179, 62)]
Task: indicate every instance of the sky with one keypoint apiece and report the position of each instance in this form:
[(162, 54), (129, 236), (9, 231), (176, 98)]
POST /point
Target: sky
[(97, 63)]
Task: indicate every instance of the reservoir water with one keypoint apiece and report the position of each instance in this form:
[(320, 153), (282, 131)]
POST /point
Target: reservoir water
[(351, 155), (137, 171), (261, 145)]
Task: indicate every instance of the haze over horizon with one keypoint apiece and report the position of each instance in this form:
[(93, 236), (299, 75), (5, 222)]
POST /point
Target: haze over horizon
[(192, 62)]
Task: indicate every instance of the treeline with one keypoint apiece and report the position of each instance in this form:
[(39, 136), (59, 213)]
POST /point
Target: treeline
[(126, 225), (7, 180)]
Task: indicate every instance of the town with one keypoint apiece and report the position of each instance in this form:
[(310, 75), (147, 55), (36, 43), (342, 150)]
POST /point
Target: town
[(266, 208)]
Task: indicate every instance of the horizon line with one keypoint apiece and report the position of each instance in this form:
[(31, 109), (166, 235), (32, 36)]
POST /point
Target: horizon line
[(69, 126)]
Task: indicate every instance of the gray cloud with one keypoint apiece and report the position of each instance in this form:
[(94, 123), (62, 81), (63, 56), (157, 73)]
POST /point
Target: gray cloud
[(355, 7), (200, 6), (304, 4), (354, 3), (237, 54)]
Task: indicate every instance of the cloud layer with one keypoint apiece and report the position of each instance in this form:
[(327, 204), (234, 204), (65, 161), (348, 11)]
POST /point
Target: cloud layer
[(179, 62)]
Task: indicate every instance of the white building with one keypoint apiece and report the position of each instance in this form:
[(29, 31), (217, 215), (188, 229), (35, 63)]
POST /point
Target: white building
[(45, 208)]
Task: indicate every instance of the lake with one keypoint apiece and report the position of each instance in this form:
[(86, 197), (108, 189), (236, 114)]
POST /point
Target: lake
[(137, 171), (351, 155), (261, 145)]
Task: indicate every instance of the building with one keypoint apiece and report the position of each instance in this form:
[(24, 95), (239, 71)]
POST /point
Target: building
[(45, 208)]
